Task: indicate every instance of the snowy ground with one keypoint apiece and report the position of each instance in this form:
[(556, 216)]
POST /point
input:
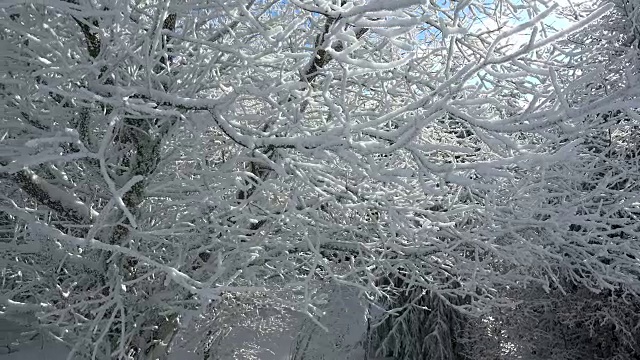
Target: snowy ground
[(276, 347), (344, 316), (58, 352), (272, 349), (34, 350)]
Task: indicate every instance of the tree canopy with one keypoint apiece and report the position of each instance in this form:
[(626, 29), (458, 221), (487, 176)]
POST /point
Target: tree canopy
[(446, 160)]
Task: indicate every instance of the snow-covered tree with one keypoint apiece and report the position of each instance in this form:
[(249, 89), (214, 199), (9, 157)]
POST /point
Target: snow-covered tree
[(157, 156)]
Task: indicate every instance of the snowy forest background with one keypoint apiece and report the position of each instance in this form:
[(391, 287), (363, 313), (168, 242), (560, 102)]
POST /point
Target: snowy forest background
[(365, 179)]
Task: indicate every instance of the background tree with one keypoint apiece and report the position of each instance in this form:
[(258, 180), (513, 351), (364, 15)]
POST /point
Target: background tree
[(582, 212)]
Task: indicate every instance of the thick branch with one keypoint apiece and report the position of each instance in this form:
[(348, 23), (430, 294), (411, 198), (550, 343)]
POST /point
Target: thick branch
[(91, 38), (321, 57), (63, 202)]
